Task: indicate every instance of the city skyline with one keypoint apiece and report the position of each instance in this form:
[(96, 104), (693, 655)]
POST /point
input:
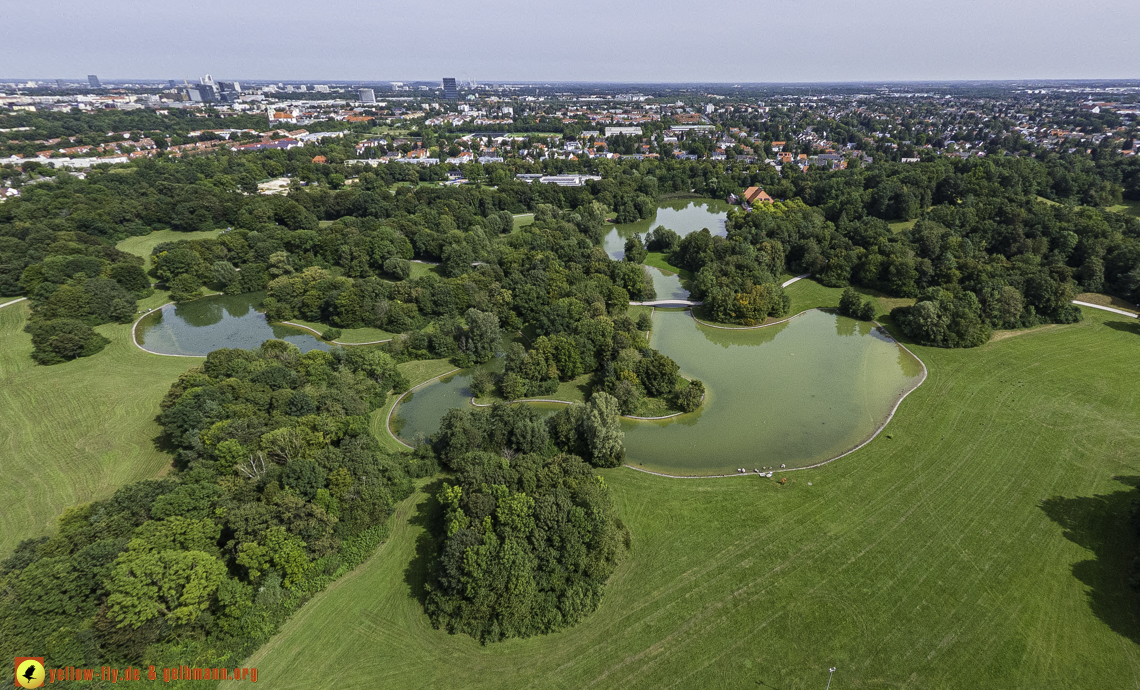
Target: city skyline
[(820, 41)]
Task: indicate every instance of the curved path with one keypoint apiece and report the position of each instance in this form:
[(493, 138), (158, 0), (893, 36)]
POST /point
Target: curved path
[(12, 302), (750, 328), (334, 342), (786, 283), (388, 419), (870, 438), (134, 340), (1114, 310)]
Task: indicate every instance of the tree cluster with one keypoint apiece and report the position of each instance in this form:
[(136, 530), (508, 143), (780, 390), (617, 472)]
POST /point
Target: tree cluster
[(278, 488)]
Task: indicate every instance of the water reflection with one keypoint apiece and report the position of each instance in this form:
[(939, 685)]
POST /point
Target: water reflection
[(795, 393), (210, 323), (682, 217)]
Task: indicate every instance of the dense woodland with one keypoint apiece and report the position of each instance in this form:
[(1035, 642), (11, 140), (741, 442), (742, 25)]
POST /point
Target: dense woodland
[(278, 488)]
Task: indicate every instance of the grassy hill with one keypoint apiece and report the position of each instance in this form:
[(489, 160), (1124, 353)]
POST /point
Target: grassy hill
[(982, 541), (75, 432)]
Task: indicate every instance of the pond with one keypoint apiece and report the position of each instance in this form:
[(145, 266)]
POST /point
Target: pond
[(210, 323), (796, 393), (682, 217)]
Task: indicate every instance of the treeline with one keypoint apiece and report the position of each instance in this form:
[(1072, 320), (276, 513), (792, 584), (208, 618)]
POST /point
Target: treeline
[(985, 254), (278, 488)]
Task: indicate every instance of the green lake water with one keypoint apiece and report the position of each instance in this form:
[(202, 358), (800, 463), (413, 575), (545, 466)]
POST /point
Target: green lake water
[(210, 323), (796, 394), (682, 217)]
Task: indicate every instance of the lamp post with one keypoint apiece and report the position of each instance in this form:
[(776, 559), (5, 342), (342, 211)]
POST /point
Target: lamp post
[(832, 670)]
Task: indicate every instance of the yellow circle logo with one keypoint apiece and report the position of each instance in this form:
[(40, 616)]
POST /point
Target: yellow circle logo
[(30, 672)]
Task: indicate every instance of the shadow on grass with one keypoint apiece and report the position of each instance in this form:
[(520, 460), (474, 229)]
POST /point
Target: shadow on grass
[(427, 513), (1132, 327), (1102, 525)]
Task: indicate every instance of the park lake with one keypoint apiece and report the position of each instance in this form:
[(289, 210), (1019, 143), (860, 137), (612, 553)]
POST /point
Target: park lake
[(795, 394), (195, 328), (683, 218)]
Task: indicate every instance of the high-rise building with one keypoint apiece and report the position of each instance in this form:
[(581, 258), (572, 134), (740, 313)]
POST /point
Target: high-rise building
[(59, 83), (450, 93), (229, 91), (366, 96), (94, 81), (321, 88)]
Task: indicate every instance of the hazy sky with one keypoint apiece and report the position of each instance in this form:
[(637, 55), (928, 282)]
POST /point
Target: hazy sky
[(586, 40)]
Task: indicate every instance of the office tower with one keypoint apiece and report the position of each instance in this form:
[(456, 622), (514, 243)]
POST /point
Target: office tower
[(450, 93), (366, 96), (94, 81), (59, 83)]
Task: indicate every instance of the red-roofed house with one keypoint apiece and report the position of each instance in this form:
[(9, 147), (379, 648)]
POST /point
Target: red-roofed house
[(755, 195)]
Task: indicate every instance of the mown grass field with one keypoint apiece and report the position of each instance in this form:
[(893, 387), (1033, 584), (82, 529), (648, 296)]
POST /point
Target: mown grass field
[(145, 244), (75, 432), (981, 542), (1127, 207)]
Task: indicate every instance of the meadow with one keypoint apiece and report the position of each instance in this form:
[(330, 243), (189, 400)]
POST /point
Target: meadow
[(74, 432), (981, 541), (143, 245)]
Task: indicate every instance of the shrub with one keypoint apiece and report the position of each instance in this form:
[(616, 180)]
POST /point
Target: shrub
[(331, 334), (689, 398), (853, 305), (60, 340)]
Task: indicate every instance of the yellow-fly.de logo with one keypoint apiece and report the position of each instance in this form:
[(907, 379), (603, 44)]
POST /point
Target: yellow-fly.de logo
[(30, 671)]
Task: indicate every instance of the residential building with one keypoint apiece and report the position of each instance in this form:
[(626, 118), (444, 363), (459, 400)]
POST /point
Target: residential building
[(755, 195)]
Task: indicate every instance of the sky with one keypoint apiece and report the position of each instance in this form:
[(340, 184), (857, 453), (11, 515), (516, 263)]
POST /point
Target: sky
[(733, 41)]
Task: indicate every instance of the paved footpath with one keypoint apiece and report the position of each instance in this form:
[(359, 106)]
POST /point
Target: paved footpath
[(1103, 308), (12, 302)]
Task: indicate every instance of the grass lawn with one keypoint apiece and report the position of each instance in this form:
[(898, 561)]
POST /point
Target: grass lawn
[(982, 542), (1131, 208), (417, 372), (349, 335), (898, 226), (144, 244), (419, 270), (75, 432), (522, 220), (1107, 301), (657, 260)]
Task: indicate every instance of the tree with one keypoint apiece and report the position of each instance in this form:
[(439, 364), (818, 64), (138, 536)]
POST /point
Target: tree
[(61, 340), (398, 268), (658, 373), (602, 430), (481, 340), (689, 398), (185, 287), (852, 304), (635, 251)]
